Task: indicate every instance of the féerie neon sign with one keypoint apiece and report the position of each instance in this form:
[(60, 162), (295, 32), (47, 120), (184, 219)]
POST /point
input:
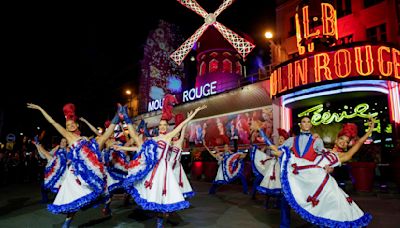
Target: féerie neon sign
[(320, 117)]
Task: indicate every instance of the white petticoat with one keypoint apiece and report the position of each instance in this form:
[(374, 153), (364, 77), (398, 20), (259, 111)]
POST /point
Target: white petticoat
[(84, 182), (179, 172), (159, 191), (271, 183), (315, 195)]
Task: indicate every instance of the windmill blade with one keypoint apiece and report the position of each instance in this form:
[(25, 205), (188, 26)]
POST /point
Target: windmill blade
[(193, 5), (241, 45), (222, 7), (185, 48)]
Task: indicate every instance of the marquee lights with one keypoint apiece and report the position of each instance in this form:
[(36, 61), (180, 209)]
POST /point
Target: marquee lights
[(305, 35), (372, 61), (319, 116), (368, 60)]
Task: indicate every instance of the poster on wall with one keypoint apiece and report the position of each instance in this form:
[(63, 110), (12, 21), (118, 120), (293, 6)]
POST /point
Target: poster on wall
[(230, 128)]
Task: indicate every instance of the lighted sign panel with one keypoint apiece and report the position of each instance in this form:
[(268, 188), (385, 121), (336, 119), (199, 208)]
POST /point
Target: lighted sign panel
[(187, 95), (359, 62), (158, 72), (329, 117)]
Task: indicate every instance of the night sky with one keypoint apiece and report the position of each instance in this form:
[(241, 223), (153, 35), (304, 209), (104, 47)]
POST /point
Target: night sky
[(89, 53)]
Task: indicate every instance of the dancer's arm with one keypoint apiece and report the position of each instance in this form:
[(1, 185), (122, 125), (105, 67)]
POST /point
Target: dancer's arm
[(180, 126), (41, 150), (256, 125), (68, 135), (131, 129), (110, 130), (90, 126), (126, 148), (209, 151), (344, 157)]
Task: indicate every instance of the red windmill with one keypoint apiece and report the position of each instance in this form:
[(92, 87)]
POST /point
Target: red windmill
[(242, 46)]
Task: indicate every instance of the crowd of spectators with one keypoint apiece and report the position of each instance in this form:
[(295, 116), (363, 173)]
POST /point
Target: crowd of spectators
[(20, 163)]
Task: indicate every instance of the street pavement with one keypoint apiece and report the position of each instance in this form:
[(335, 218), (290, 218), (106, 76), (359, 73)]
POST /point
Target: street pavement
[(20, 207)]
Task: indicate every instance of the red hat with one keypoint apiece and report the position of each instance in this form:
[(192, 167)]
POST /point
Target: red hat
[(282, 132), (69, 112), (349, 129), (107, 123)]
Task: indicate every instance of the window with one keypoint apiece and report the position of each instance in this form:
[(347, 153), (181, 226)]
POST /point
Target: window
[(343, 7), (238, 69), (226, 66), (292, 27), (214, 54), (345, 40), (213, 66), (202, 68), (377, 33), (368, 3)]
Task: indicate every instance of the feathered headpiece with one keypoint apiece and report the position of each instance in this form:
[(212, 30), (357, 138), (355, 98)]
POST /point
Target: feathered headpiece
[(349, 129), (179, 118), (282, 132), (69, 112), (107, 123), (168, 104)]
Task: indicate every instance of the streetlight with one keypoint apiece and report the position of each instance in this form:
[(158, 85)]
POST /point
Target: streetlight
[(129, 93), (268, 35)]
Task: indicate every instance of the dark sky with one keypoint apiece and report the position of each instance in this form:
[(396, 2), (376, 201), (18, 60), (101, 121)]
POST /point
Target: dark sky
[(88, 53)]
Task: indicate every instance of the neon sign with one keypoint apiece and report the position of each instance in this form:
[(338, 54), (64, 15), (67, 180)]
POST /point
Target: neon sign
[(155, 105), (204, 91), (305, 35), (320, 117), (363, 62), (187, 95)]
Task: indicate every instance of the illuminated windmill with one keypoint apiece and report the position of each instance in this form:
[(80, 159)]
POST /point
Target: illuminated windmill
[(242, 46)]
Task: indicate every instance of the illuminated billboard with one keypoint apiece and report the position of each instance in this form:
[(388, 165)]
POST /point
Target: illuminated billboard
[(159, 74)]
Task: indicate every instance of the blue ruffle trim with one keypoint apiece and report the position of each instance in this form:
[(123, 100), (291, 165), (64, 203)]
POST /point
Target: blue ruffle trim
[(59, 173), (73, 206), (188, 194), (252, 157), (155, 206), (226, 177), (267, 191), (220, 182), (151, 161), (95, 182), (114, 187), (116, 173), (362, 221)]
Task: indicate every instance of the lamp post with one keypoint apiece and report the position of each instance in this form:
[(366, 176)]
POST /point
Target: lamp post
[(268, 35), (128, 92), (278, 54)]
